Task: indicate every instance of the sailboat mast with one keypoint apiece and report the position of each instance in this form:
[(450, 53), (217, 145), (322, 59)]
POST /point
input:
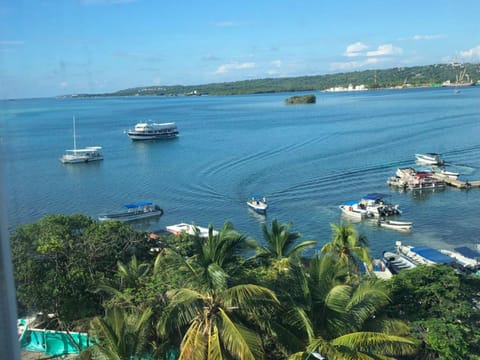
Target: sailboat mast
[(74, 135)]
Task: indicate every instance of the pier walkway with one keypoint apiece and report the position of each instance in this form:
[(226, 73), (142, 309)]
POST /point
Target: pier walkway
[(457, 183)]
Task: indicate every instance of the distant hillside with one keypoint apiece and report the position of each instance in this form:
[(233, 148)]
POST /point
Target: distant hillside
[(429, 75)]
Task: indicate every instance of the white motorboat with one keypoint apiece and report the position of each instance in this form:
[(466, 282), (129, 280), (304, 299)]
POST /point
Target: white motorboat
[(395, 225), (376, 206), (190, 229), (153, 131), (258, 203), (429, 159), (396, 262), (446, 173), (464, 256), (136, 211), (423, 255), (85, 155), (352, 210)]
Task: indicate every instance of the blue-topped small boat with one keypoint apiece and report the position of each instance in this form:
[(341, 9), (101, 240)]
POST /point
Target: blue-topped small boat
[(258, 203), (464, 256), (424, 255), (135, 211)]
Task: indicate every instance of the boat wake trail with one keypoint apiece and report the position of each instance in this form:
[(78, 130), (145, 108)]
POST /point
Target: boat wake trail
[(335, 179)]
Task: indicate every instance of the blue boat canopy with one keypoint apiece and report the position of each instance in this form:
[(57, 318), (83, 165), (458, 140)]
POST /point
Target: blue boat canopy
[(351, 203), (135, 205), (433, 255), (467, 252)]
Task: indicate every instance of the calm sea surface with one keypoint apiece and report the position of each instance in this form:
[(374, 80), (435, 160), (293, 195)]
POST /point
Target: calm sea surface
[(307, 159)]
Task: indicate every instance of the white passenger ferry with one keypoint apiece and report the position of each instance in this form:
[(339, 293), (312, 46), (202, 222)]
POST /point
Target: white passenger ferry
[(153, 131)]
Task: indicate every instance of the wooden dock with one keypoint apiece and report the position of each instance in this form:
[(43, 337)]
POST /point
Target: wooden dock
[(457, 183)]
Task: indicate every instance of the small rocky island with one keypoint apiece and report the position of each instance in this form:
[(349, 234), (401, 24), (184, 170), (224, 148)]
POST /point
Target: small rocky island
[(305, 99)]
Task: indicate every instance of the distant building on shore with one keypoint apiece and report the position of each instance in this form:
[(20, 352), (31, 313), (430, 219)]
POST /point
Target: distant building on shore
[(349, 88)]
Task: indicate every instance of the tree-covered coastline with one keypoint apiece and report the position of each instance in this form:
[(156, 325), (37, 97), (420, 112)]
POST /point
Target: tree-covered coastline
[(233, 297), (399, 77)]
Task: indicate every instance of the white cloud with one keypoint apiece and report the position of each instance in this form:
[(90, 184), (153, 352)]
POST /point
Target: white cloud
[(277, 63), (385, 49), (63, 85), (355, 49), (349, 65), (223, 69), (428, 37), (472, 54)]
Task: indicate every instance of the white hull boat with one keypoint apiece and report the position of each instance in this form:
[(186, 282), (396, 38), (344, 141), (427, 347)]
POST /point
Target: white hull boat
[(85, 155), (258, 204), (376, 206), (446, 173), (153, 131), (464, 256), (396, 262), (88, 154), (423, 255), (136, 211), (396, 225), (352, 211), (429, 159), (190, 229)]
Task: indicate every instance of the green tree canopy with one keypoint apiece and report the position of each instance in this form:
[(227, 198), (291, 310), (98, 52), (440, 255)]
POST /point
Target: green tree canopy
[(60, 260)]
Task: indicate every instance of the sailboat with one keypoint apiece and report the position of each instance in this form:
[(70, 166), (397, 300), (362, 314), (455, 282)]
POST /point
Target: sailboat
[(88, 154), (460, 75)]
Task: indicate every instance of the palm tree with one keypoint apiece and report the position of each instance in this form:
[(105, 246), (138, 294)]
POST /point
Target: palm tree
[(215, 317), (349, 247), (280, 243), (218, 323), (345, 321), (129, 276), (216, 258), (122, 334)]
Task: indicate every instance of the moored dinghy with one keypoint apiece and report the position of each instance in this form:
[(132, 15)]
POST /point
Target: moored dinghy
[(396, 262), (395, 225)]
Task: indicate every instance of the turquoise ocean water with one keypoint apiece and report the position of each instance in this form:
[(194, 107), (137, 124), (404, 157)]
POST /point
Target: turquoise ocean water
[(306, 159)]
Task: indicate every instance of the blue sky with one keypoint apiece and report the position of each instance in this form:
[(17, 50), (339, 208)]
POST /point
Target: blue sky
[(55, 47)]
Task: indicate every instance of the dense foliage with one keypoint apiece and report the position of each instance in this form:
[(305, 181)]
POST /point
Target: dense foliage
[(60, 260), (428, 75), (233, 297)]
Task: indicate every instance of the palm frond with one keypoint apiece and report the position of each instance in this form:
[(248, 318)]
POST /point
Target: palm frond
[(376, 343), (338, 297), (244, 294), (214, 344), (194, 344), (240, 342)]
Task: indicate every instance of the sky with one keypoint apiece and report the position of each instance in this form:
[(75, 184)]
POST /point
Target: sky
[(58, 47)]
